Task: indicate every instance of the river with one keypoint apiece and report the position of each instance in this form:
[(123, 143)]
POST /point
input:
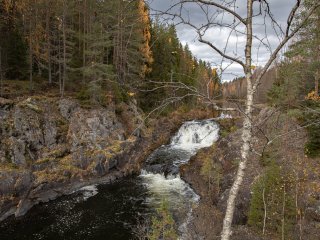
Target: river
[(114, 211)]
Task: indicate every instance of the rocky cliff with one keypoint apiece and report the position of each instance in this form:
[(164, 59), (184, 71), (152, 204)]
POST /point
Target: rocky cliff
[(50, 147)]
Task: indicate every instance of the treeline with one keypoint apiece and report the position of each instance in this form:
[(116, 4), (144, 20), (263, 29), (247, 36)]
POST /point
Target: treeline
[(173, 62), (299, 74), (237, 89), (95, 48)]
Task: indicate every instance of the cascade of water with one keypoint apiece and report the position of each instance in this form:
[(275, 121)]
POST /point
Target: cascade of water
[(192, 136)]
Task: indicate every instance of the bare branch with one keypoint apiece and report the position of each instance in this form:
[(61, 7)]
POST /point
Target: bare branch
[(284, 41), (220, 6)]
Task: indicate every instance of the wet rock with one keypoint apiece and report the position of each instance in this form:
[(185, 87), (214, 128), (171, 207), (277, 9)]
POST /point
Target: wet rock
[(100, 169), (112, 163), (23, 207)]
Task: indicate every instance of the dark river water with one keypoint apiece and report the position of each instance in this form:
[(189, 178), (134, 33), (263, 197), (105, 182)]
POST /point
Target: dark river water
[(111, 214), (114, 211)]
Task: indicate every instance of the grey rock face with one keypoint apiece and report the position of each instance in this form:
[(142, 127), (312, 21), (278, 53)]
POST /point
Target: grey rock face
[(51, 147), (94, 129), (27, 125), (49, 132), (15, 182), (67, 107), (18, 149)]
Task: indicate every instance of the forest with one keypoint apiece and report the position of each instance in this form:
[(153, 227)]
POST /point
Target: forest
[(74, 47)]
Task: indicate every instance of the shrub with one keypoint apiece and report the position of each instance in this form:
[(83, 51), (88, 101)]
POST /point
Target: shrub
[(163, 224), (271, 195)]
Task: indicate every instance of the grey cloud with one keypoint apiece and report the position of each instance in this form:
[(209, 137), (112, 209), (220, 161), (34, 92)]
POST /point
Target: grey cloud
[(279, 8)]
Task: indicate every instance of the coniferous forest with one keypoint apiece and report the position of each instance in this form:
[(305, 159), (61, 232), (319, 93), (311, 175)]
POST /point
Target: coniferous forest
[(93, 49)]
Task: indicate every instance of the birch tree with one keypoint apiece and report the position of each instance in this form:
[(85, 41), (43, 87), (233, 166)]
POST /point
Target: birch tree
[(241, 26)]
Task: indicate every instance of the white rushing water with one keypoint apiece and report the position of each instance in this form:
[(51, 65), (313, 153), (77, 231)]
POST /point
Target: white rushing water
[(192, 136), (195, 135)]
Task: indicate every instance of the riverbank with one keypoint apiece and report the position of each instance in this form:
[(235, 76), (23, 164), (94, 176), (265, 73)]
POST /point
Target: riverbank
[(211, 172), (52, 147)]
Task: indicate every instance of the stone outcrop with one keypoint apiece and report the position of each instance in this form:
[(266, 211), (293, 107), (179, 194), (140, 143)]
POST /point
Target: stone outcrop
[(51, 147)]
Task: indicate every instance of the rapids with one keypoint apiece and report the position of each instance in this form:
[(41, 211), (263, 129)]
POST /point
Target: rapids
[(113, 211)]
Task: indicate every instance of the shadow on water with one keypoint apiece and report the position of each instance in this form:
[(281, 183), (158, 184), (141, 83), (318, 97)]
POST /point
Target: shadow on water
[(111, 214)]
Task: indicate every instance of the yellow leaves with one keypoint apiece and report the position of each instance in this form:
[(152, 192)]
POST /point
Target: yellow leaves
[(214, 72), (312, 96), (253, 67), (7, 5), (131, 94)]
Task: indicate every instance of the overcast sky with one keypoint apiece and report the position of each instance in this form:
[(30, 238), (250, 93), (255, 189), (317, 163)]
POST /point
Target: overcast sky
[(196, 14)]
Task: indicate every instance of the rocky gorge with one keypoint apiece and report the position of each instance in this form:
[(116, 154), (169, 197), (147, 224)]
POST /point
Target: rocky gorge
[(51, 147)]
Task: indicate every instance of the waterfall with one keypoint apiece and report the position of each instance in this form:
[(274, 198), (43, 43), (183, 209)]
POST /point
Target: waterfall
[(161, 174), (194, 135)]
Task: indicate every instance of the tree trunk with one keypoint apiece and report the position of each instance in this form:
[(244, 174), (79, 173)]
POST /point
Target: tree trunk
[(265, 210), (64, 48), (317, 76), (316, 84), (1, 80), (30, 58), (48, 43), (59, 62), (246, 132), (84, 38)]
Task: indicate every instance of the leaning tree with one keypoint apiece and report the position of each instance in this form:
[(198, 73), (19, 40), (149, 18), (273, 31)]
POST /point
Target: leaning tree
[(251, 29)]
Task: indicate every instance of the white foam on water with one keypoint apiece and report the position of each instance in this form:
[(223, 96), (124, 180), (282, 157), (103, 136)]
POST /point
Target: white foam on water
[(89, 191), (224, 116), (195, 135), (167, 187), (192, 136)]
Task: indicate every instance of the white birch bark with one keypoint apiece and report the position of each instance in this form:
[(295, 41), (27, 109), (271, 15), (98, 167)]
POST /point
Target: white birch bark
[(246, 132)]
